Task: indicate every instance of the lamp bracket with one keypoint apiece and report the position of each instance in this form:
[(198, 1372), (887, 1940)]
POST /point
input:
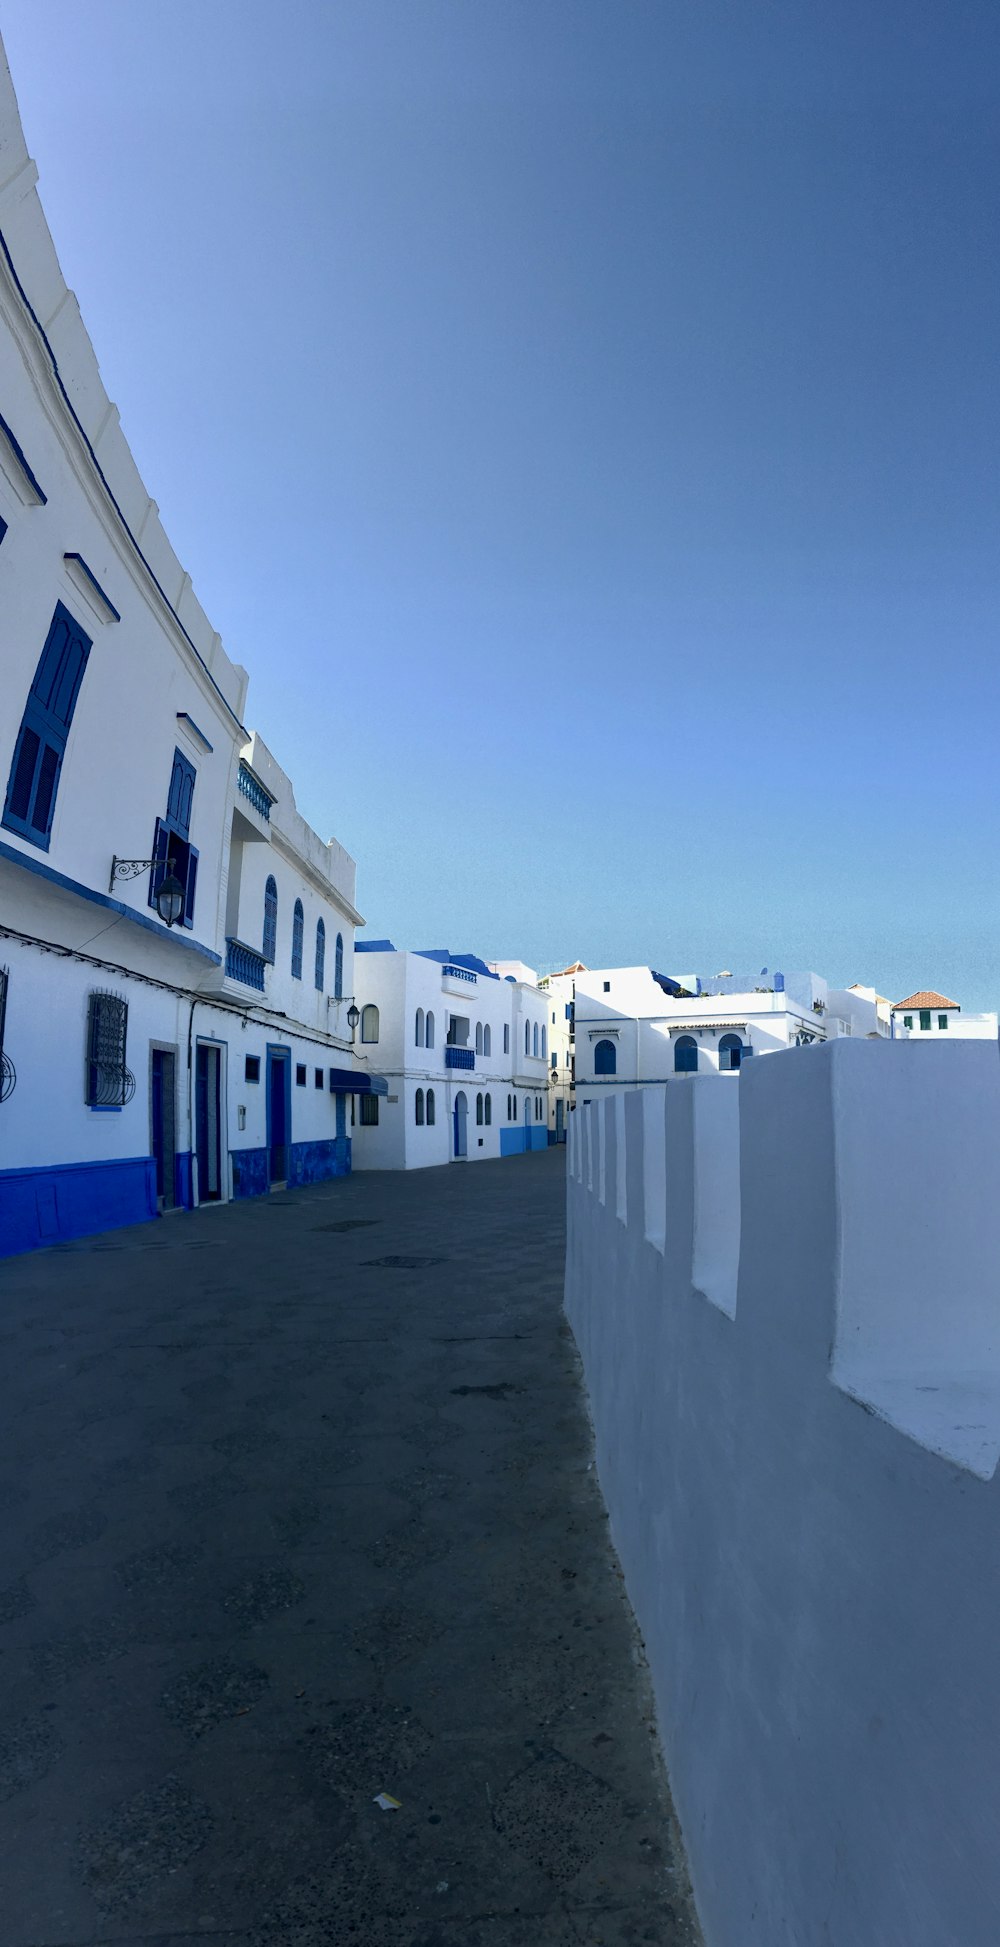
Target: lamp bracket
[(131, 868)]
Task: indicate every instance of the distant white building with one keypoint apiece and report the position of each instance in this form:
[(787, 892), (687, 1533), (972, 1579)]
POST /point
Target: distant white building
[(463, 1047), (561, 990), (927, 1016), (176, 945), (634, 1026)]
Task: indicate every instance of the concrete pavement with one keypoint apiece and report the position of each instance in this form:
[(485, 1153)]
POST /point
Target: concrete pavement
[(296, 1509)]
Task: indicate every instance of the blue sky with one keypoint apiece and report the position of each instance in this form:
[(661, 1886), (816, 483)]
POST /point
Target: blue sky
[(582, 421)]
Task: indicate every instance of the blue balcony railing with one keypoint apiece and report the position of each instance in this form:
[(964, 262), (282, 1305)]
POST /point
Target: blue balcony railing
[(460, 973), (460, 1057), (254, 791), (244, 964)]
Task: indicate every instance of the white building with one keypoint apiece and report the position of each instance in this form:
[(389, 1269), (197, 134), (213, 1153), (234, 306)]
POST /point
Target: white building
[(634, 1026), (146, 1061), (927, 1016), (561, 990), (463, 1048)]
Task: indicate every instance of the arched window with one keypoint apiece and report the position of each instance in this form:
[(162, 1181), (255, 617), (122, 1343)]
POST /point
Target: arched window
[(545, 1043), (487, 1047), (685, 1055), (338, 969), (514, 1116), (479, 1037), (270, 919), (730, 1051), (479, 1110), (534, 1040), (298, 929), (419, 1034), (420, 1108), (320, 955), (489, 1110), (430, 1106), (430, 1033), (506, 1037), (508, 1108), (369, 1022), (605, 1058), (527, 1037)]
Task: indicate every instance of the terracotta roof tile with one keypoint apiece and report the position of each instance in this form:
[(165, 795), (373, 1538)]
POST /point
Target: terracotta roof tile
[(926, 1000)]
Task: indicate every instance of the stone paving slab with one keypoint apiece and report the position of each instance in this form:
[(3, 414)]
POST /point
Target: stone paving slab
[(297, 1507)]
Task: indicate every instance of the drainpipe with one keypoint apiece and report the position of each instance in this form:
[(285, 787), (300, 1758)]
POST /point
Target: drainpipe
[(190, 1092)]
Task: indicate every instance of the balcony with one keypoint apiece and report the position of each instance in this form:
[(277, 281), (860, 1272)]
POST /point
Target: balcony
[(252, 788), (460, 1057), (245, 964), (457, 980), (252, 807)]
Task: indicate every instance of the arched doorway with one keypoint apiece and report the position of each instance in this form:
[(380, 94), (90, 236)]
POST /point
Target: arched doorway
[(461, 1117)]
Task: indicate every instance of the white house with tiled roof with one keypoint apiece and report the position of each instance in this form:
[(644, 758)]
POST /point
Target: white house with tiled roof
[(926, 1016)]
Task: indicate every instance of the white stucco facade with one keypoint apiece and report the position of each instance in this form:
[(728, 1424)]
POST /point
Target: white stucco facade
[(637, 1028), (143, 1066), (928, 1016), (561, 990), (460, 1047)]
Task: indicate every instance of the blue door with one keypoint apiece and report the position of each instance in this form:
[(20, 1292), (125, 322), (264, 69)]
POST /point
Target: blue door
[(279, 1076), (560, 1131), (163, 1118), (461, 1119), (206, 1123)]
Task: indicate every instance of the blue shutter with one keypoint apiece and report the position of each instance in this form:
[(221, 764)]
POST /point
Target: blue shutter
[(270, 940), (162, 836), (320, 955), (192, 881), (298, 928), (41, 741), (181, 794), (338, 969)]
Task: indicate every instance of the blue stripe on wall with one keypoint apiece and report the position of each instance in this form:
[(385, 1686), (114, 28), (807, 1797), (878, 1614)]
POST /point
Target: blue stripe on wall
[(50, 1206)]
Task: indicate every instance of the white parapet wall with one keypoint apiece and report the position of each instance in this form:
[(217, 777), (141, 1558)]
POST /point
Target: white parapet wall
[(785, 1287)]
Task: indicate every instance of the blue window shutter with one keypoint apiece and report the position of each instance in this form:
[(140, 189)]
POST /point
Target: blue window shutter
[(298, 929), (320, 955), (192, 882), (181, 794), (270, 920), (160, 854), (41, 741), (338, 969), (3, 529)]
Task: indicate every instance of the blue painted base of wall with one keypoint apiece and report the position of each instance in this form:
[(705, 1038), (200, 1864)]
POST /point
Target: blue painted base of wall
[(39, 1207), (515, 1142), (316, 1162), (538, 1137), (249, 1172)]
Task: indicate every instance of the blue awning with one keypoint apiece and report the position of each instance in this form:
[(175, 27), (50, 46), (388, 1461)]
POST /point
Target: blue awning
[(355, 1081)]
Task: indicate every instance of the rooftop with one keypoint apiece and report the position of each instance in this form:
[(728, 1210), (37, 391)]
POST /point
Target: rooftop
[(925, 999)]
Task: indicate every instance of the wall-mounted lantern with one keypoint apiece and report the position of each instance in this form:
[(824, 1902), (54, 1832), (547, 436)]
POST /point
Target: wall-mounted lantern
[(169, 898)]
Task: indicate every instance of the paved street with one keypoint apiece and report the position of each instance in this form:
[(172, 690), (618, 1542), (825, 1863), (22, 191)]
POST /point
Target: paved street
[(297, 1509)]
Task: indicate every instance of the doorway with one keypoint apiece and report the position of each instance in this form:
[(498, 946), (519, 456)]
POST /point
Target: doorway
[(461, 1120), (560, 1130), (207, 1120), (163, 1117), (279, 1115)]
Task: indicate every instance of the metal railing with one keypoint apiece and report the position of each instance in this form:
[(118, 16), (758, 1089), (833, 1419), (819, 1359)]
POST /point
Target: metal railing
[(245, 964), (254, 791), (460, 1057), (460, 973)]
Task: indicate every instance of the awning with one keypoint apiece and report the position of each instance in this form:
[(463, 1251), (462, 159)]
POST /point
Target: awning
[(356, 1081)]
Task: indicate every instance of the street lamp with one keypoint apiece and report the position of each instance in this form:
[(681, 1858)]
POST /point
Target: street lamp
[(169, 896), (353, 1017)]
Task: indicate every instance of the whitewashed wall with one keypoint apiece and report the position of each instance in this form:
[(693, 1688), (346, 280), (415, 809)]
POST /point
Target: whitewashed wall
[(786, 1293)]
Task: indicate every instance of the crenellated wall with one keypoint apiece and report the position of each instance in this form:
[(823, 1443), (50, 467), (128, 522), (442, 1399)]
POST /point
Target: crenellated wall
[(785, 1288)]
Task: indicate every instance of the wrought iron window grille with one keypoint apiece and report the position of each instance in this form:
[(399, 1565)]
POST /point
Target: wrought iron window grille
[(110, 1083), (8, 1073)]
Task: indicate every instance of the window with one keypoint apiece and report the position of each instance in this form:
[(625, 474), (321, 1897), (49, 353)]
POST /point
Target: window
[(514, 1114), (419, 1031), (534, 1040), (251, 1069), (489, 1110), (298, 931), (487, 1043), (109, 1083), (605, 1058), (545, 1041), (270, 919), (527, 1037), (553, 1017), (338, 969), (317, 1077), (369, 1023), (942, 1020), (320, 955), (685, 1055), (172, 848), (419, 1108), (300, 1074), (907, 1020), (369, 1112), (479, 1111), (430, 1033), (925, 1018), (555, 1059), (42, 738), (607, 986), (3, 529), (509, 1116), (506, 1038), (730, 1051), (430, 1107), (479, 1037), (8, 1078)]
